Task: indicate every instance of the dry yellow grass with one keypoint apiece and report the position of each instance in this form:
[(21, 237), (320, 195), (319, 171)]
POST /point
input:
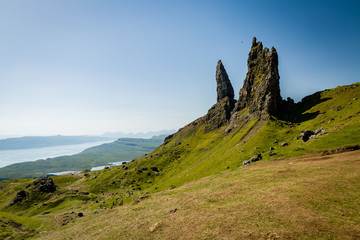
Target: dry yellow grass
[(313, 197)]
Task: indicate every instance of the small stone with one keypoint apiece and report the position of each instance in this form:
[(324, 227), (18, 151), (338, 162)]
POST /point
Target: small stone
[(272, 153), (155, 169), (284, 144), (173, 210)]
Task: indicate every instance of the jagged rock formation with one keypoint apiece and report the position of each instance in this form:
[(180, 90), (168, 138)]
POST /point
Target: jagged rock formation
[(261, 90), (45, 185), (224, 87), (260, 93), (219, 115)]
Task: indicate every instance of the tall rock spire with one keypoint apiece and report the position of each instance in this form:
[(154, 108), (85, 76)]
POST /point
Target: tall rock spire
[(224, 87), (219, 115), (261, 90)]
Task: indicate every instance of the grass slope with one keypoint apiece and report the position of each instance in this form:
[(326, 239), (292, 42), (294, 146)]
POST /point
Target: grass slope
[(124, 149), (292, 198), (298, 198)]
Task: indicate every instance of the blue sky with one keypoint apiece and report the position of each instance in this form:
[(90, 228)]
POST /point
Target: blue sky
[(87, 67)]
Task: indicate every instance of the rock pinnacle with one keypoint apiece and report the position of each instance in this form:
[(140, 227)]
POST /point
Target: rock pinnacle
[(261, 90), (224, 87)]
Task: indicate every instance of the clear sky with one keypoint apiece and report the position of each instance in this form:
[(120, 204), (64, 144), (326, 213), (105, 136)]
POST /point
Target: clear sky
[(86, 67)]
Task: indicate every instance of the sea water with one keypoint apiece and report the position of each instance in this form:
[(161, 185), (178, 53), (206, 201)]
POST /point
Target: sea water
[(8, 157)]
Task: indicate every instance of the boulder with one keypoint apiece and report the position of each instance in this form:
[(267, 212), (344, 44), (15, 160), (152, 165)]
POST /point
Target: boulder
[(272, 153), (306, 134), (143, 169), (253, 159), (155, 169)]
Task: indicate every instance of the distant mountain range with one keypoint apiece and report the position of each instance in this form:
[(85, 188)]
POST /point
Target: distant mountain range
[(49, 141), (138, 135)]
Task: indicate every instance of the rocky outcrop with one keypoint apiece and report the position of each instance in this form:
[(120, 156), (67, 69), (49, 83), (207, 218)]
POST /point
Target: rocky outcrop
[(306, 135), (224, 87), (219, 114), (261, 90), (45, 185), (260, 94), (42, 185), (20, 196), (341, 150)]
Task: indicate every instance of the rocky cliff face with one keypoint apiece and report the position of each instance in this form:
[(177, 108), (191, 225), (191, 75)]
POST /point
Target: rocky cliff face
[(219, 115), (224, 87), (261, 90)]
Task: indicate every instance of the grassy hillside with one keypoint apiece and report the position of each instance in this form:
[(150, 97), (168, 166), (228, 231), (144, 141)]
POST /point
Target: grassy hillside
[(124, 149), (299, 198), (200, 174)]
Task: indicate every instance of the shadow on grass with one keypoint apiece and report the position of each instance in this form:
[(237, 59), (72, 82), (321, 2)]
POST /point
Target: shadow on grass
[(294, 112)]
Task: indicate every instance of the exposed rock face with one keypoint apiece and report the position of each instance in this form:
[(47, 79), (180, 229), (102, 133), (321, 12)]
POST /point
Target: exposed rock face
[(261, 90), (21, 195), (224, 87), (45, 185), (260, 94), (220, 113)]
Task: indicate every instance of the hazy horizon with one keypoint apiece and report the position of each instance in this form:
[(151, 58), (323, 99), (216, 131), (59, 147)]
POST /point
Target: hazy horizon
[(101, 134), (90, 67)]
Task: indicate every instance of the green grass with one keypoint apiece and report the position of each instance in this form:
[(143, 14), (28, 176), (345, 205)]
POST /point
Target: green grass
[(209, 164), (305, 198)]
